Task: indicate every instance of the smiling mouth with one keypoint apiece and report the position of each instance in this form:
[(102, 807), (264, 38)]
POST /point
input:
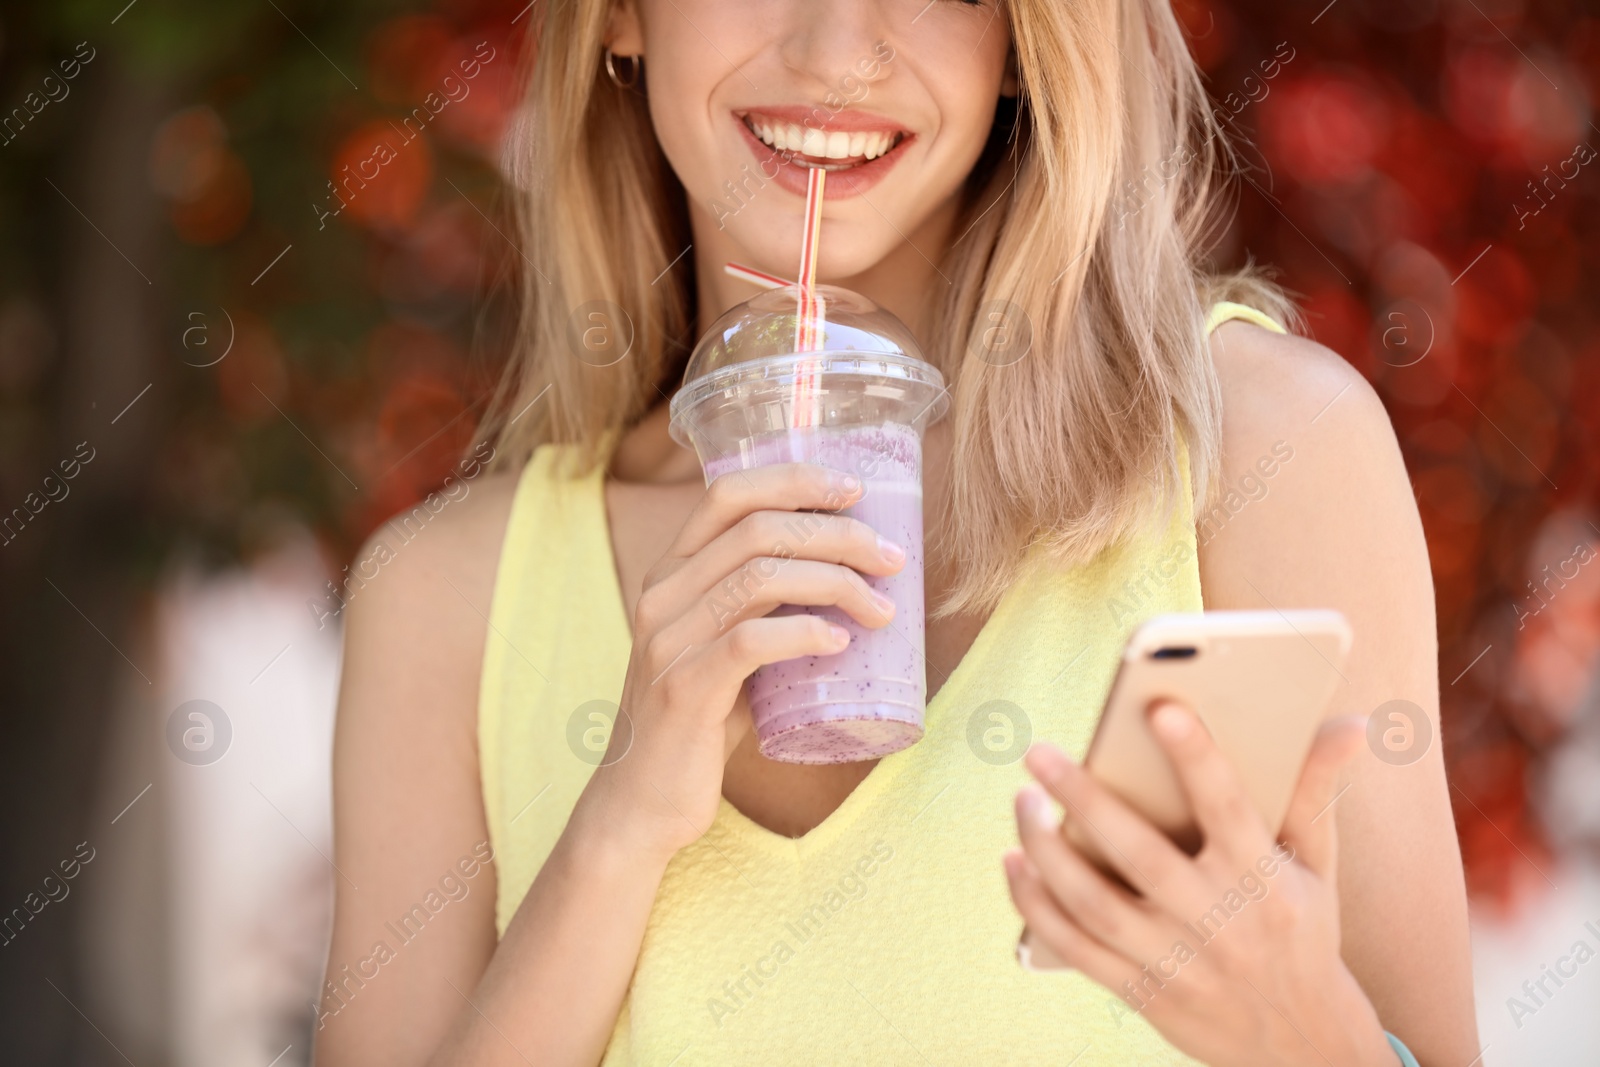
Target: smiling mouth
[(823, 149)]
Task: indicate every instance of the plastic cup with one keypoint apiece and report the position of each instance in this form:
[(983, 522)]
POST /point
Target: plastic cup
[(858, 404)]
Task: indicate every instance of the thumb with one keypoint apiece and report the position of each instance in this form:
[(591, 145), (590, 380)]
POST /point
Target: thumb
[(1309, 824)]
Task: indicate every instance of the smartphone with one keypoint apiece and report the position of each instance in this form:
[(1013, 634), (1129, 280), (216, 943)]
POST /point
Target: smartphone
[(1261, 683)]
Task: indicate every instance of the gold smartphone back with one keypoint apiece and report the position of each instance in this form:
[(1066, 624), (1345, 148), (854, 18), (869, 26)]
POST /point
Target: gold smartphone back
[(1260, 681)]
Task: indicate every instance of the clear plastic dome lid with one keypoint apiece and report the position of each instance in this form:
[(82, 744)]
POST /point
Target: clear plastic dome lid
[(748, 358)]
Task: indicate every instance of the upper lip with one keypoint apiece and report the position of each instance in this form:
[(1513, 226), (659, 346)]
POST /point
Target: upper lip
[(849, 120)]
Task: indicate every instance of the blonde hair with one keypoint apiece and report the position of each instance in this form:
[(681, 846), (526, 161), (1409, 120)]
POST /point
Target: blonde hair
[(1075, 446)]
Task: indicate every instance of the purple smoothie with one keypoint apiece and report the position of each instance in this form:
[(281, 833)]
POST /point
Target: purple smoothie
[(866, 701)]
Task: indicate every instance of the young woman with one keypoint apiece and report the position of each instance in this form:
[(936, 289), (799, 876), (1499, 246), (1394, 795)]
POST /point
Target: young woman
[(503, 900)]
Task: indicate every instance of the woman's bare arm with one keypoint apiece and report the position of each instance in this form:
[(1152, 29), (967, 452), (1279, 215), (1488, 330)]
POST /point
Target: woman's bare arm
[(1328, 520), (408, 808), (414, 920)]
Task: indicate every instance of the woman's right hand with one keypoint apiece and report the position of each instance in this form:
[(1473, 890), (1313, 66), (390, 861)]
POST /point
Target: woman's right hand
[(758, 539)]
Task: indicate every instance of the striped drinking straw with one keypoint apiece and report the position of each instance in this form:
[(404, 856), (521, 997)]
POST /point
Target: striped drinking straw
[(809, 309), (755, 277)]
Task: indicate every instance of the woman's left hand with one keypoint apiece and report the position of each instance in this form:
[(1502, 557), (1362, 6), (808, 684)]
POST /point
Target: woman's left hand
[(1232, 954)]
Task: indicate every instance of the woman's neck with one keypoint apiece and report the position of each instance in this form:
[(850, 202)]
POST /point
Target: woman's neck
[(648, 454)]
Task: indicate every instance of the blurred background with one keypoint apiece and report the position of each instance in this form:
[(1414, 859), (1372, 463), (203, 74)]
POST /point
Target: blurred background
[(218, 375)]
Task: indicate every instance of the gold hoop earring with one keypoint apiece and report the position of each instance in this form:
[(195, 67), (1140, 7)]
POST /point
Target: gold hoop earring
[(634, 63)]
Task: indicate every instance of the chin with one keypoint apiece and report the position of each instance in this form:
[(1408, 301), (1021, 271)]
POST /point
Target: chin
[(770, 242)]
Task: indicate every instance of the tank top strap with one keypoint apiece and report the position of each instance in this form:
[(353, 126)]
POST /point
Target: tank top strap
[(551, 662), (1226, 311)]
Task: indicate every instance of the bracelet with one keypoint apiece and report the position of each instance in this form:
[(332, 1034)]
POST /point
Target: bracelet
[(1406, 1058)]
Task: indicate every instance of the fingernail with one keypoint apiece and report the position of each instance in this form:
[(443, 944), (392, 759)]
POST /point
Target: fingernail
[(1173, 721), (890, 551), (1036, 809), (1047, 761), (885, 605), (841, 636), (1025, 957), (1011, 859), (845, 483)]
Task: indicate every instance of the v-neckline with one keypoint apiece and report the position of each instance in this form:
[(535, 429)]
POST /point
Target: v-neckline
[(883, 773)]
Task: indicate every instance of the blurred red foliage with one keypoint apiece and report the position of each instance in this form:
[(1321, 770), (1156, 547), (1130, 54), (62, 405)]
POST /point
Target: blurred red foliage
[(206, 184), (1410, 151), (403, 55), (379, 176)]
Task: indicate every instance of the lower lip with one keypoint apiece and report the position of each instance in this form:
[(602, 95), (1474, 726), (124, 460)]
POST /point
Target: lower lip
[(777, 167)]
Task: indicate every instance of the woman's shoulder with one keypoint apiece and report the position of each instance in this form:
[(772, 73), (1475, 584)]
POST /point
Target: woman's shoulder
[(453, 534), (1309, 463), (1277, 382), (1285, 394), (455, 531), (423, 613)]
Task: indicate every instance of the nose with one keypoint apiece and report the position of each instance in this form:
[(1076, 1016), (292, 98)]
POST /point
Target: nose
[(830, 43)]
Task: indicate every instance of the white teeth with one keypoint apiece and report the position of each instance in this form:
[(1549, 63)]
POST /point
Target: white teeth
[(788, 136)]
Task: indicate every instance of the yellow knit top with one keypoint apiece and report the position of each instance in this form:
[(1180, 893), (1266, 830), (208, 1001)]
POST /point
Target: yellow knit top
[(886, 935)]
